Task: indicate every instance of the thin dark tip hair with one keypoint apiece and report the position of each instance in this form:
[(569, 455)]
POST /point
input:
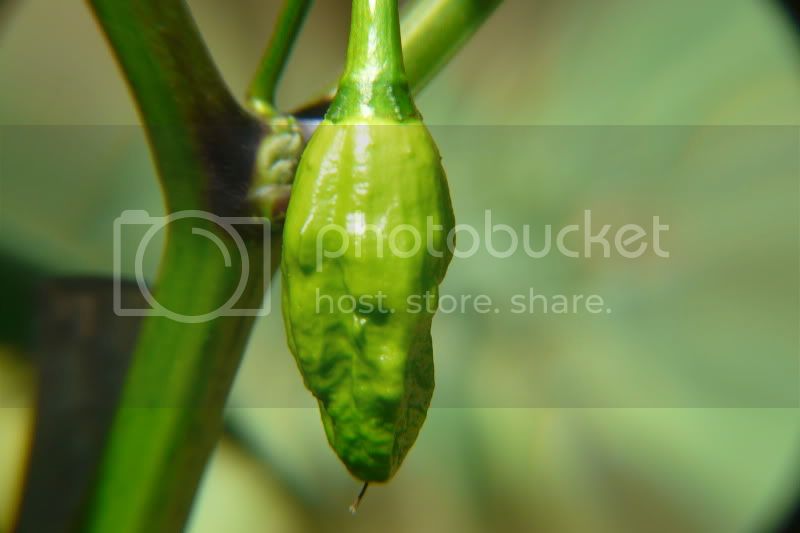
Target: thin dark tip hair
[(354, 507)]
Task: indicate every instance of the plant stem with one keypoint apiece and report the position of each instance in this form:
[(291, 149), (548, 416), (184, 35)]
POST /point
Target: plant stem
[(203, 144), (261, 94), (170, 416), (435, 30), (198, 134)]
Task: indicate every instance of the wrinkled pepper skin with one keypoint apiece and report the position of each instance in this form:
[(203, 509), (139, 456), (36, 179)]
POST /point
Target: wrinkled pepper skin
[(371, 368), (365, 249)]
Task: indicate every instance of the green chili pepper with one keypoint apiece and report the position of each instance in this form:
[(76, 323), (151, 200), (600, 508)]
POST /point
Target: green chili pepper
[(365, 249)]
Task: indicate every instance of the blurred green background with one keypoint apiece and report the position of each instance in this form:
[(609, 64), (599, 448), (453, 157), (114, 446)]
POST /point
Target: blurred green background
[(677, 411)]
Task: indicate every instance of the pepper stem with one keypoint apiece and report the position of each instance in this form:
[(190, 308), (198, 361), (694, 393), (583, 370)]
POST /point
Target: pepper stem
[(374, 83), (374, 52)]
